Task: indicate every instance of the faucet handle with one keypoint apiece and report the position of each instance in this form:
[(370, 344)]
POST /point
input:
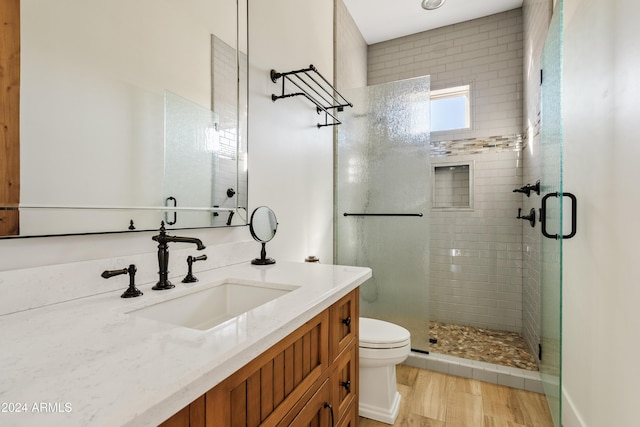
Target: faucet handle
[(190, 278), (131, 291), (110, 273)]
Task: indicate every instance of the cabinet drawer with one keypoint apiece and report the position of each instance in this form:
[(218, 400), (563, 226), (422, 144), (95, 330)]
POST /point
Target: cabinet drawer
[(344, 381), (344, 322), (351, 416), (316, 412), (263, 391)]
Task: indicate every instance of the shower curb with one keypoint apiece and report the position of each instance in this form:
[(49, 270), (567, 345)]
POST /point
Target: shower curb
[(488, 372)]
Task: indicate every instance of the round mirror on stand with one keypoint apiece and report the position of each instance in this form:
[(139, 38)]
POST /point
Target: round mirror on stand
[(263, 226)]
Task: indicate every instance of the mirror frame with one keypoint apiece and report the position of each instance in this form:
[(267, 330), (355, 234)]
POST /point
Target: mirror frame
[(252, 228), (10, 115)]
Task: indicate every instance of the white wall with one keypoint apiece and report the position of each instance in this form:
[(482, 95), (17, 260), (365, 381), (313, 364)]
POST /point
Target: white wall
[(290, 160), (601, 372)]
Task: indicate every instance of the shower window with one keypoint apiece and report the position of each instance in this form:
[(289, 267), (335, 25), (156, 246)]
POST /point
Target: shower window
[(452, 186), (450, 108)]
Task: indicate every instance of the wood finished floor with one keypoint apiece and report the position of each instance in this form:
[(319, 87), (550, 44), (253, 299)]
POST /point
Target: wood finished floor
[(432, 399)]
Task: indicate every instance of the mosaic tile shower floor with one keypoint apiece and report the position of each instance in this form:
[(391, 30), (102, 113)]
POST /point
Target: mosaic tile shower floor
[(485, 345)]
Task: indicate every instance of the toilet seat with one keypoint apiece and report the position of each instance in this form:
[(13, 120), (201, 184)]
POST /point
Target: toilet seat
[(378, 334)]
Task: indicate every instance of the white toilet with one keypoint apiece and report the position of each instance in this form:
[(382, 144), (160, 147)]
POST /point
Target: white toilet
[(382, 346)]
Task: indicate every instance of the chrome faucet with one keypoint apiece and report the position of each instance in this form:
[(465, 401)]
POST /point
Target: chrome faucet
[(163, 255)]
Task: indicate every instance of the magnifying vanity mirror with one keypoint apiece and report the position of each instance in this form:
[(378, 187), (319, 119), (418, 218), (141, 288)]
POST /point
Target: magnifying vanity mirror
[(263, 226), (129, 113)]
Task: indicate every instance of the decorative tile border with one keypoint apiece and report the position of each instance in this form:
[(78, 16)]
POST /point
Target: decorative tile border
[(477, 145)]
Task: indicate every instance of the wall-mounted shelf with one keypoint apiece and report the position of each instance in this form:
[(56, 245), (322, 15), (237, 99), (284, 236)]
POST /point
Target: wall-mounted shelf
[(313, 86)]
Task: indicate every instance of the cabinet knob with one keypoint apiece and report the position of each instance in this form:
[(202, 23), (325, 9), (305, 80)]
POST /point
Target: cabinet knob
[(346, 384), (347, 321)]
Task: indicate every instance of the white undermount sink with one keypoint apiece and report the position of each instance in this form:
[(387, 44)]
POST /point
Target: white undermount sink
[(214, 305)]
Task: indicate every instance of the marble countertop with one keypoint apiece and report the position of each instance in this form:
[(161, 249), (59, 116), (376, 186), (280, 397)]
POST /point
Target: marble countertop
[(87, 362)]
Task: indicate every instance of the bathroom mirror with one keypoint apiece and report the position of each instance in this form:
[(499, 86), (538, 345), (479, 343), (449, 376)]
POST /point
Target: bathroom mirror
[(263, 226), (130, 112)]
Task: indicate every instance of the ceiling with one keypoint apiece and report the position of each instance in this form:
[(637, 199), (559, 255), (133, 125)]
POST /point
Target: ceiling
[(381, 20)]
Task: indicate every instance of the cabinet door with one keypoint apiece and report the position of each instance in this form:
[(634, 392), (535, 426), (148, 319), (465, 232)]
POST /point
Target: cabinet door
[(344, 381), (351, 416), (317, 412), (344, 322), (263, 391)]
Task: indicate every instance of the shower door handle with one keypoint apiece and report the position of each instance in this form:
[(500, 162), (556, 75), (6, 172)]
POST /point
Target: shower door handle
[(543, 215)]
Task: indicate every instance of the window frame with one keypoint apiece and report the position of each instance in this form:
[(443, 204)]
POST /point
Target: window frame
[(453, 92)]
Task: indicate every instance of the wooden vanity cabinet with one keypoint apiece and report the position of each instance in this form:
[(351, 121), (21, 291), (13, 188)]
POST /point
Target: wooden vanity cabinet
[(298, 382)]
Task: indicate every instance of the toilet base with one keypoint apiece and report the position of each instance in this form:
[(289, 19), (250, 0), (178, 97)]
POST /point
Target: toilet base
[(384, 416), (379, 397)]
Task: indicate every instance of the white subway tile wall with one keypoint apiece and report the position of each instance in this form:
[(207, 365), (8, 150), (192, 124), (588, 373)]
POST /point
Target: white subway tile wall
[(476, 255), (479, 257), (536, 18), (350, 51), (485, 53), (224, 103)]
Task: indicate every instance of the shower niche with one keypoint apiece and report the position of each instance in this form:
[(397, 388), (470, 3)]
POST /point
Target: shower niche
[(452, 186)]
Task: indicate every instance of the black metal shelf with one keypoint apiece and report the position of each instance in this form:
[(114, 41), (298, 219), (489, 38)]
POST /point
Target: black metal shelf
[(316, 89)]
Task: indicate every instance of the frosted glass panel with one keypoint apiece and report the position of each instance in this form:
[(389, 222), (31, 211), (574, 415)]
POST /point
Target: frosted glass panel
[(551, 181), (383, 168)]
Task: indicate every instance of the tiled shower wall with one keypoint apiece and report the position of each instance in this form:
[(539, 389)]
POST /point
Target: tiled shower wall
[(476, 256), (224, 103), (485, 53), (536, 18), (350, 50)]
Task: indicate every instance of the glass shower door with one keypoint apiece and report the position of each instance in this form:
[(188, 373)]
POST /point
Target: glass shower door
[(382, 201), (551, 184)]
